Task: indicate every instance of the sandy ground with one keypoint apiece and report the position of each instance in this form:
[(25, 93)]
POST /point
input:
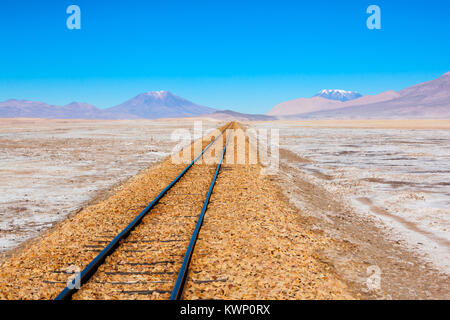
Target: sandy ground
[(51, 168), (381, 186)]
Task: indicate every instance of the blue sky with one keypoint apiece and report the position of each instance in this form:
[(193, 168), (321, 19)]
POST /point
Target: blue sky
[(246, 55)]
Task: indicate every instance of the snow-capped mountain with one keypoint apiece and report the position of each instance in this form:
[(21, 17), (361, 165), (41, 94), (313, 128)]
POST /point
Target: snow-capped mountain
[(336, 94)]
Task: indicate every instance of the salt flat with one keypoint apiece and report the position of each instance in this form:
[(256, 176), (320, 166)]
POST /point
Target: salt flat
[(396, 171), (51, 168)]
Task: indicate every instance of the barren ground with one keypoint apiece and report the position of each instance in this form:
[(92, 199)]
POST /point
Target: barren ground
[(51, 168), (377, 190), (382, 188), (262, 246)]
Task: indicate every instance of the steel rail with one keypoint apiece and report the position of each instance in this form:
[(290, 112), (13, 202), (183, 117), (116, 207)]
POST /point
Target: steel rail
[(92, 267), (182, 274)]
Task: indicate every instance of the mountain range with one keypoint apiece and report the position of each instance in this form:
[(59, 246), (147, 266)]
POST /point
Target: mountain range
[(428, 100), (149, 105)]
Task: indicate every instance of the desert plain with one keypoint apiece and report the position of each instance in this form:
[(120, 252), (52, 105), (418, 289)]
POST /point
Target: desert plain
[(379, 188)]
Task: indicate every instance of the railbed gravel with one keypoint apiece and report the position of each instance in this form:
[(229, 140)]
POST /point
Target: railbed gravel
[(253, 244)]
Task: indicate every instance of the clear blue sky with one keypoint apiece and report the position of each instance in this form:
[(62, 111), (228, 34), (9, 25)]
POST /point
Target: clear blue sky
[(247, 55)]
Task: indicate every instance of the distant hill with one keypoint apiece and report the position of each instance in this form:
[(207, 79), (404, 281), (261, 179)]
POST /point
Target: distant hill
[(428, 100), (324, 100), (32, 109), (150, 105), (159, 104), (316, 103), (229, 115), (303, 105)]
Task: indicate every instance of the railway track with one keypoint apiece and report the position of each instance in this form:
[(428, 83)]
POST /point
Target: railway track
[(149, 259), (253, 245)]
